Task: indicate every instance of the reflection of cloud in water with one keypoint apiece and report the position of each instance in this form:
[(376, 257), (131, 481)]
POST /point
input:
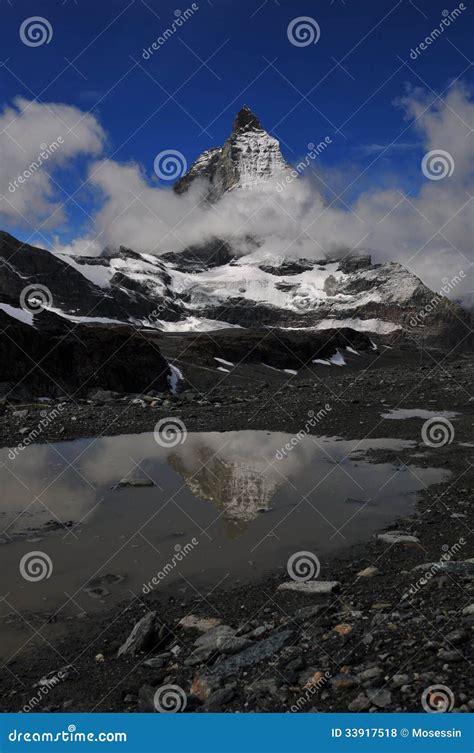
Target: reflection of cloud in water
[(236, 471), (35, 490)]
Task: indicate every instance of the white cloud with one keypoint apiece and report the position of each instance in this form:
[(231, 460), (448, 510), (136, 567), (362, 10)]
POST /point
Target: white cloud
[(36, 138), (430, 231)]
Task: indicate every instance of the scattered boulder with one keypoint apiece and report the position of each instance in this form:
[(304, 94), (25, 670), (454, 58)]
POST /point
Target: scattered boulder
[(398, 537), (142, 637)]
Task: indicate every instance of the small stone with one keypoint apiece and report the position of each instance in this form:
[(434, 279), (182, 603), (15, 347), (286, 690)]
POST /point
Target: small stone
[(400, 680), (369, 674), (214, 638), (380, 698), (220, 697), (305, 613), (368, 572), (343, 628), (203, 624), (202, 686), (146, 699), (360, 703), (99, 658)]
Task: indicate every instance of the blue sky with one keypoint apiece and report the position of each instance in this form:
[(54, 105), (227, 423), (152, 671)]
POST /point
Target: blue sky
[(345, 86)]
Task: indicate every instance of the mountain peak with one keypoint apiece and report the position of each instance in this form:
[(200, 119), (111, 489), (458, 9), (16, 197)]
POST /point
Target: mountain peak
[(246, 119)]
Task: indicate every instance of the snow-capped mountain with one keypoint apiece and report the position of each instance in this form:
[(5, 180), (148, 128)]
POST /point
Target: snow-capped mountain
[(129, 300), (249, 157), (210, 288)]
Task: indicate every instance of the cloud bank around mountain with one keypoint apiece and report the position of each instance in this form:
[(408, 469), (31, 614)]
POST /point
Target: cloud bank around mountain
[(430, 231)]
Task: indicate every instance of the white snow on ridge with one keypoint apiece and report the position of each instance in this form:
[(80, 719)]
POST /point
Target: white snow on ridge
[(194, 324), (223, 362), (98, 274), (360, 325), (20, 314)]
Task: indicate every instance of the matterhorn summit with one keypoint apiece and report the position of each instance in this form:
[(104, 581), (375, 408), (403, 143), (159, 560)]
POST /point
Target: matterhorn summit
[(248, 158)]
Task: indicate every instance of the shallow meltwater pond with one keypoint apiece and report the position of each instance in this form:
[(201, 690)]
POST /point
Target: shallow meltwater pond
[(214, 509), (402, 413)]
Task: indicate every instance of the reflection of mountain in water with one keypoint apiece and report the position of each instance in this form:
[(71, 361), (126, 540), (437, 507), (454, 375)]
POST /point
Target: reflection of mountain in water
[(240, 488)]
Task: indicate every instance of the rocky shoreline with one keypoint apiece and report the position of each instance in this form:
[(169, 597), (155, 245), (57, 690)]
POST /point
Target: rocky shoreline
[(394, 624)]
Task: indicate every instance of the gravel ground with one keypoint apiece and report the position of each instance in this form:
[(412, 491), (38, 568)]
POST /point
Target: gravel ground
[(379, 640)]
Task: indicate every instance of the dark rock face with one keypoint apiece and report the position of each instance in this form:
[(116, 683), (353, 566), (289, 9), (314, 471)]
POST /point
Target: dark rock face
[(199, 258), (63, 358), (250, 156)]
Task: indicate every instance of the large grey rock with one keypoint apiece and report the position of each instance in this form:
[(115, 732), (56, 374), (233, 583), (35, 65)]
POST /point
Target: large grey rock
[(141, 636), (310, 587), (398, 537), (254, 654)]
